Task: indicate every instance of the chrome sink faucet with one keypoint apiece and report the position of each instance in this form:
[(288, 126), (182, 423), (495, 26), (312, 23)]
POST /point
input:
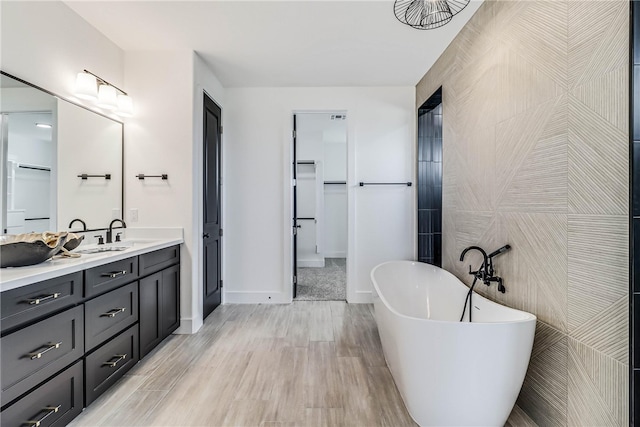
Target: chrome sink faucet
[(110, 230)]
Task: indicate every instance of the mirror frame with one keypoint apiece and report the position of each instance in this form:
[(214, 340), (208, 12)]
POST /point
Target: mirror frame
[(4, 73)]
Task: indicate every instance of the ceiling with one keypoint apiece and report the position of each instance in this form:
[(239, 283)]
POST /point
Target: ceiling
[(295, 43)]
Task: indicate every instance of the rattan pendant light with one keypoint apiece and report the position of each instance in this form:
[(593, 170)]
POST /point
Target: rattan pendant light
[(427, 14)]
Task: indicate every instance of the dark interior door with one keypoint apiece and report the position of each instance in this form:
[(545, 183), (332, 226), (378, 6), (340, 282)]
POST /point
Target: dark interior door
[(295, 213), (211, 227)]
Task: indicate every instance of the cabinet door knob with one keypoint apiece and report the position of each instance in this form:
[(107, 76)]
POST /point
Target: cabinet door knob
[(205, 235)]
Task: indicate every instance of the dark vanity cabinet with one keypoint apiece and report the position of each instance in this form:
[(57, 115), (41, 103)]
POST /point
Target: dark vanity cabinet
[(66, 340), (159, 298)]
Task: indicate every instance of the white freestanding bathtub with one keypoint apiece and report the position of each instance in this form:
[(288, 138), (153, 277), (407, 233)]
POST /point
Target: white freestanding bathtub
[(449, 373)]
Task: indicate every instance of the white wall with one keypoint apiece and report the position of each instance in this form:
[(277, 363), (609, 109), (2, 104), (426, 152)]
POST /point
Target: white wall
[(47, 44), (204, 81), (92, 144), (257, 206), (165, 136), (335, 220), (159, 141)]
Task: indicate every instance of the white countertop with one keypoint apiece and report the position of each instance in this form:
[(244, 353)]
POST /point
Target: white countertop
[(140, 240)]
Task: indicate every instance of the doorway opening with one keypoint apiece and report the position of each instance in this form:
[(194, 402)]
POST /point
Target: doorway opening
[(320, 206), (27, 166)]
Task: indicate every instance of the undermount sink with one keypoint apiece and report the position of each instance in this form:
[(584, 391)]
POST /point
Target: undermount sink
[(103, 249), (113, 247)]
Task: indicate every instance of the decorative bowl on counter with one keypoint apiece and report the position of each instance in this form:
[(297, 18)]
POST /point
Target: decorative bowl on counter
[(28, 249), (73, 241)]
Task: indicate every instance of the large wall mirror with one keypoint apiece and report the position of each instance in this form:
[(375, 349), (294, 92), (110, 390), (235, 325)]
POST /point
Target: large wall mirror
[(58, 161)]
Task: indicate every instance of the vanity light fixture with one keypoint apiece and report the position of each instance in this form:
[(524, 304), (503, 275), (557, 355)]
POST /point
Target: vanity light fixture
[(427, 14), (107, 96), (86, 86), (125, 106)]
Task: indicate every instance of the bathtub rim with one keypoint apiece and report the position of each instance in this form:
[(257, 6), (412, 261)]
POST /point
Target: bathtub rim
[(529, 316)]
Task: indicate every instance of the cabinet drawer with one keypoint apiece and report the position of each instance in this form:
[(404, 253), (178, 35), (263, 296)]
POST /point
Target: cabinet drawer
[(110, 362), (31, 302), (157, 260), (34, 353), (54, 403), (109, 314), (103, 278)]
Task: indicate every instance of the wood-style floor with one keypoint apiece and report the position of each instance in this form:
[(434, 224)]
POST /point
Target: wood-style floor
[(310, 363)]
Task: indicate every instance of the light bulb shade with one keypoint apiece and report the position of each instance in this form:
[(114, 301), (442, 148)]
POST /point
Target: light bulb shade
[(107, 97), (427, 14), (86, 86), (125, 106)]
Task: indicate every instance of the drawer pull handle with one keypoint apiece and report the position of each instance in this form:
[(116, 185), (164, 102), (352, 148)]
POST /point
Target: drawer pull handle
[(114, 312), (114, 274), (112, 363), (47, 348), (38, 300), (50, 410)]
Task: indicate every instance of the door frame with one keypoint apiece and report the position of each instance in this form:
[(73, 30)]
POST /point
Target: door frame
[(288, 202)]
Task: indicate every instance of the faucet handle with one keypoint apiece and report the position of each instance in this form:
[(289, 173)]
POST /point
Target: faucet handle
[(100, 239), (118, 236)]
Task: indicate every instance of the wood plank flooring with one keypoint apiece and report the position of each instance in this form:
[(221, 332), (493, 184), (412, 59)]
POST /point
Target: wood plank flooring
[(310, 363)]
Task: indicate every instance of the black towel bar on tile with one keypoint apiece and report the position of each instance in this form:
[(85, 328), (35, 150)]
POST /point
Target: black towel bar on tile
[(335, 183), (87, 176), (306, 162), (408, 184), (143, 176), (305, 219), (35, 167)]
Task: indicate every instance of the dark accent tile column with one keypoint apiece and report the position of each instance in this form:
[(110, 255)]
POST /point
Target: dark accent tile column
[(430, 180)]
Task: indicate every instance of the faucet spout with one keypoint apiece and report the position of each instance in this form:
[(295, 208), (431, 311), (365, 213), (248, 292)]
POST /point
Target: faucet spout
[(477, 248), (84, 225), (483, 272), (110, 230)]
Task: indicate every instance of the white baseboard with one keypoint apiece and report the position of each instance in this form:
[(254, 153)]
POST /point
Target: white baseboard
[(188, 326), (257, 297), (361, 297), (311, 263), (335, 254)]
